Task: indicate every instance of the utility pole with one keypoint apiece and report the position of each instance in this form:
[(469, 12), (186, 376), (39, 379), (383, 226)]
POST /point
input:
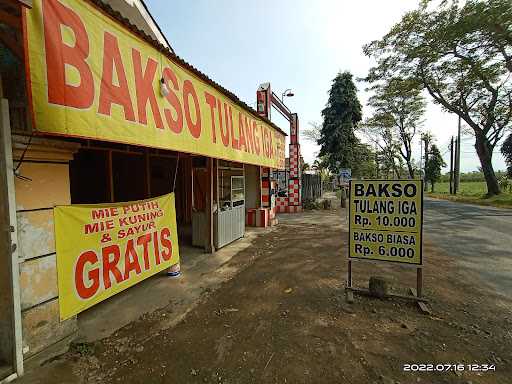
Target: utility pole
[(457, 159), (451, 167), (427, 139), (455, 186)]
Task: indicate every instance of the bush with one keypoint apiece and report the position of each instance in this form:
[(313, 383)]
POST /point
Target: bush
[(505, 184), (309, 204)]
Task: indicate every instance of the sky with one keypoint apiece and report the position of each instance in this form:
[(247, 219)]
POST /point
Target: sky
[(297, 44)]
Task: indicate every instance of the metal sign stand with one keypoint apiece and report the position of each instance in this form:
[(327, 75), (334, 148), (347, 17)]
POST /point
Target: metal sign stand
[(415, 293)]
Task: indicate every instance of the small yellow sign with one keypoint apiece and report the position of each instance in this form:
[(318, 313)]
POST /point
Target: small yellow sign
[(386, 220), (104, 249)]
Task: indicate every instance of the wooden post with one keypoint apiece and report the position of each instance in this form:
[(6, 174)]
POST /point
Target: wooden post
[(147, 166), (110, 177), (210, 248), (419, 282), (10, 224), (348, 289), (343, 200), (349, 274)]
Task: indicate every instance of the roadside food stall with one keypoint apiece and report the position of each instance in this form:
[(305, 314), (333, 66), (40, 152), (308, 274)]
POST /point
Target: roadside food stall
[(111, 116)]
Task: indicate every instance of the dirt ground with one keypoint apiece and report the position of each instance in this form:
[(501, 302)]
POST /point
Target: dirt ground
[(284, 319)]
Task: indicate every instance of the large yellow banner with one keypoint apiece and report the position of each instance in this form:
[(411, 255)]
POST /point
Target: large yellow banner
[(103, 249), (91, 77), (386, 220)]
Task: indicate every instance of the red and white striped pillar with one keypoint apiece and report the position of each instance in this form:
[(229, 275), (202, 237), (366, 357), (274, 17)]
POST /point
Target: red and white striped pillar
[(268, 189), (294, 181)]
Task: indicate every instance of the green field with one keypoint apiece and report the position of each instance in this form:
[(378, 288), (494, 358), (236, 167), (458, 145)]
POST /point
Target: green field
[(477, 188), (472, 192)]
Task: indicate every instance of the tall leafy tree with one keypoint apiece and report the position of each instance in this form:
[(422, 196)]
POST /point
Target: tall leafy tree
[(338, 142), (461, 53), (399, 107), (364, 166), (433, 166), (506, 150), (377, 129), (313, 132)]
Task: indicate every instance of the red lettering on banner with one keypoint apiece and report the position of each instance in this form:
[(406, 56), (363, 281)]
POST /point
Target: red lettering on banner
[(229, 121), (176, 125), (91, 228), (212, 102), (87, 284), (144, 240), (103, 213), (188, 90), (131, 260), (93, 275), (109, 92), (145, 89), (270, 145), (72, 82), (234, 140), (166, 242), (264, 141), (111, 265), (241, 132), (59, 54), (255, 128), (155, 248), (98, 227), (249, 135)]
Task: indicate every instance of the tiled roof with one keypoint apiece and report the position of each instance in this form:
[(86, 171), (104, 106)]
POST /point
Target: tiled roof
[(172, 56)]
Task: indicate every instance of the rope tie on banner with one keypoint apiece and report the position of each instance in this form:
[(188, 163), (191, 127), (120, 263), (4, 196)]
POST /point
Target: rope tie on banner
[(175, 270), (175, 173), (16, 170)]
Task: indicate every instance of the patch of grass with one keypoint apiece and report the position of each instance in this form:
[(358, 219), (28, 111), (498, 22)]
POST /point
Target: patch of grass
[(473, 193), (83, 349)]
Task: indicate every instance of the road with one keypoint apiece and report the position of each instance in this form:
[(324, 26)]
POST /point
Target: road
[(479, 238)]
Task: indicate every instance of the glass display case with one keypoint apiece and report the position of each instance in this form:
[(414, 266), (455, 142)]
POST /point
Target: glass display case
[(237, 191), (231, 188), (230, 215)]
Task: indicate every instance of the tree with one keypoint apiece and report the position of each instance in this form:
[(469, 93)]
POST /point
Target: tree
[(338, 142), (364, 164), (461, 53), (506, 150), (433, 166), (313, 132), (399, 107), (319, 167), (378, 131)]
